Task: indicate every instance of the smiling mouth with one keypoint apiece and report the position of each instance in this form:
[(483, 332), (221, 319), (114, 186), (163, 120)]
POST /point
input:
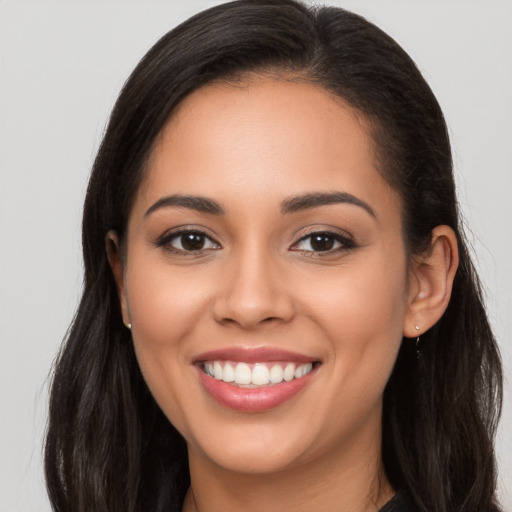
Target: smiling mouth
[(255, 375), (255, 379)]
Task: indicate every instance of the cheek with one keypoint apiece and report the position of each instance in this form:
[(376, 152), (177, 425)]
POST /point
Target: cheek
[(164, 303), (360, 301), (165, 309), (361, 311), (360, 314)]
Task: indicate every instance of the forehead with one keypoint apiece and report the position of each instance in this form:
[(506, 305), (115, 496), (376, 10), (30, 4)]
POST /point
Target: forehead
[(268, 138)]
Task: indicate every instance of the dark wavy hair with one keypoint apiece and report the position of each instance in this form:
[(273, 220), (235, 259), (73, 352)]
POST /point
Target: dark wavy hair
[(109, 448)]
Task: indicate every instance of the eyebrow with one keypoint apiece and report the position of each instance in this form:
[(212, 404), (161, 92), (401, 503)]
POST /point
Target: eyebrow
[(290, 205), (306, 201), (198, 203)]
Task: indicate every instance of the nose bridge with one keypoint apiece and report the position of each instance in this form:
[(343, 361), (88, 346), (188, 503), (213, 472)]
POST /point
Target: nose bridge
[(253, 289)]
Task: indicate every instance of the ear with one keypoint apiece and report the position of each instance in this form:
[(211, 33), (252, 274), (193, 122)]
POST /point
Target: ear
[(115, 259), (430, 282)]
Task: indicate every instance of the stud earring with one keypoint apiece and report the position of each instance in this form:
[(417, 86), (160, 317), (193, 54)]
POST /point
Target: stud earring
[(129, 326)]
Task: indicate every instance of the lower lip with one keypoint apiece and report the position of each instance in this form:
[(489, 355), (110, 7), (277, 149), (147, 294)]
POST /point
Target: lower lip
[(253, 399)]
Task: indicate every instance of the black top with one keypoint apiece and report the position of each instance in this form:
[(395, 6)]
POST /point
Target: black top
[(401, 502)]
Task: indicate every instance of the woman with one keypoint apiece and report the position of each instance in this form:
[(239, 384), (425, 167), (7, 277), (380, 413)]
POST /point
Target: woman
[(279, 309)]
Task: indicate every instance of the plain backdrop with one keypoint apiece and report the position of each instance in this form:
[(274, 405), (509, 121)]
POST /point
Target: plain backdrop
[(61, 67)]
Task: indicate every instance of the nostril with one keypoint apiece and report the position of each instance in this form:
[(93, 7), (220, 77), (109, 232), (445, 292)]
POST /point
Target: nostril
[(250, 302), (248, 323)]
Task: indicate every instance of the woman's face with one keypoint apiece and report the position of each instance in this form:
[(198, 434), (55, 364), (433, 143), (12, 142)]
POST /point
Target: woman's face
[(264, 247)]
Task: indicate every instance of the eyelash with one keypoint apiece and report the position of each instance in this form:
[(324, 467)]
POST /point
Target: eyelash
[(346, 243), (166, 240)]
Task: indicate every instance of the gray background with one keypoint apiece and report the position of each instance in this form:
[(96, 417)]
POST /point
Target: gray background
[(61, 67)]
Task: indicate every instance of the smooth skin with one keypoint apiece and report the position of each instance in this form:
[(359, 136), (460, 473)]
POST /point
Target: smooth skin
[(259, 278)]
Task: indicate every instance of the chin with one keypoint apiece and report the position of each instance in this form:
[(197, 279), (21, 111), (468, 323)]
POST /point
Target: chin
[(248, 457)]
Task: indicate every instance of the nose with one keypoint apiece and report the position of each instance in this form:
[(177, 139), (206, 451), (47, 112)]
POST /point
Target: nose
[(253, 292)]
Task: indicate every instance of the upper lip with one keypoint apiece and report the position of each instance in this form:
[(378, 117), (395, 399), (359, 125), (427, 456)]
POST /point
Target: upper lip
[(253, 355)]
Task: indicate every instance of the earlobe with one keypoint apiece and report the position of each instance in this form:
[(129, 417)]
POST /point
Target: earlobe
[(115, 260), (430, 282)]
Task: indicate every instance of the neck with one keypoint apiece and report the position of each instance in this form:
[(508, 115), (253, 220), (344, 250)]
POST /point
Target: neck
[(351, 478)]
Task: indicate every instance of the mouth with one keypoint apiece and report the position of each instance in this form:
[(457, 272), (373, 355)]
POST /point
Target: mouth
[(254, 380), (254, 375)]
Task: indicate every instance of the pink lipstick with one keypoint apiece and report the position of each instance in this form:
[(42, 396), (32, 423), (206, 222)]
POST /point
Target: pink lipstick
[(254, 379)]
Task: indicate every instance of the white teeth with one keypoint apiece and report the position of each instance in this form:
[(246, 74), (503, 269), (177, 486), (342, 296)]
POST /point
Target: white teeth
[(303, 370), (261, 374), (228, 374), (217, 370), (243, 374), (276, 374), (289, 372)]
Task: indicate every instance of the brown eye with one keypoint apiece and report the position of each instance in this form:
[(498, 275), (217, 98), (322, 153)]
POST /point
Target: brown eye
[(323, 241), (192, 241), (188, 241)]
